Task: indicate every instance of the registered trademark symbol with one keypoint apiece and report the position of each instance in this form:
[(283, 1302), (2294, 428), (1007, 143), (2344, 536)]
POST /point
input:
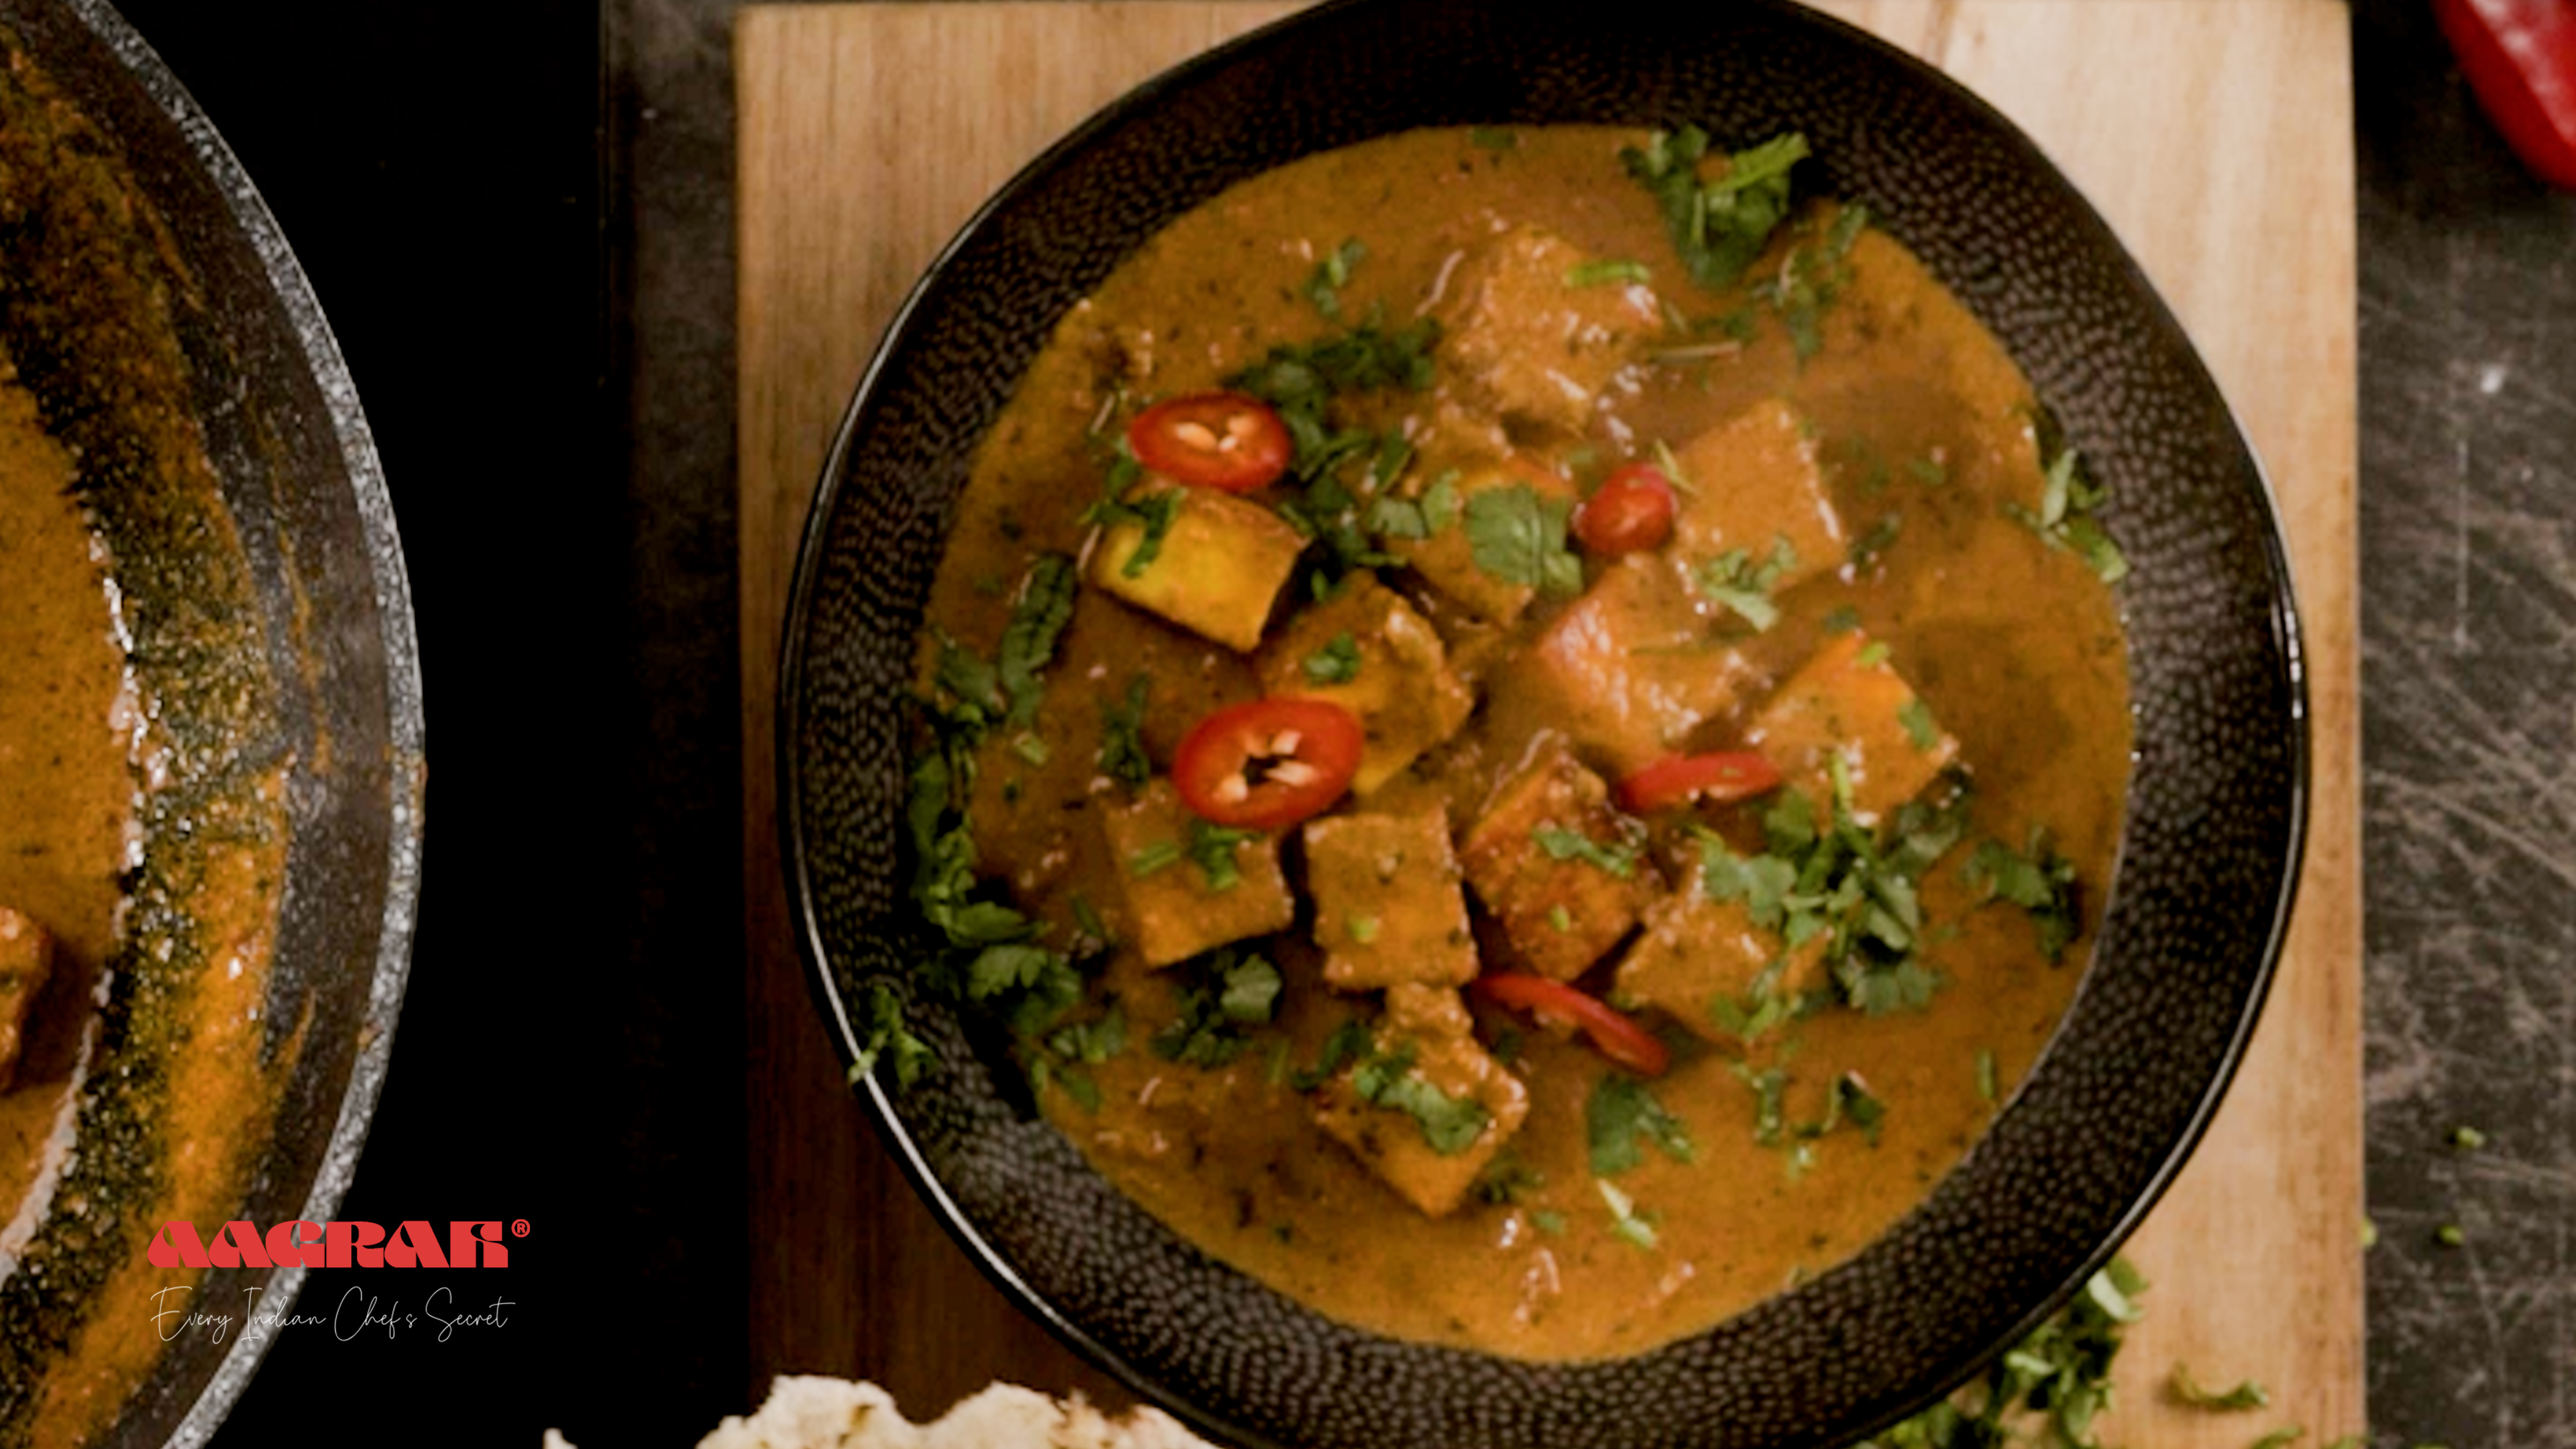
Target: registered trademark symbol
[(518, 1227)]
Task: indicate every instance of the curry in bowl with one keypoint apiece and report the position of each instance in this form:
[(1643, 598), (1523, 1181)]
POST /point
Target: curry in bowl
[(1519, 724)]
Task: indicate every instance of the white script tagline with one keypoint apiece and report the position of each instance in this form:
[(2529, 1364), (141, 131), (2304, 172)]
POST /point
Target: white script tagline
[(359, 1313)]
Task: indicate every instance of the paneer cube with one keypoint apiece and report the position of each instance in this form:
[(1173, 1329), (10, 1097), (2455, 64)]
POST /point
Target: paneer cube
[(1215, 568), (26, 960), (1427, 1109), (1532, 330), (1563, 872), (1175, 908), (1847, 702), (1447, 559), (1366, 650), (1389, 909), (1696, 951), (1630, 668), (1758, 498)]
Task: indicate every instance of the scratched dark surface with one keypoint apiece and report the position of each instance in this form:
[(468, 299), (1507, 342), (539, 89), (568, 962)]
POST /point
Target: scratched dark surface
[(2468, 622), (557, 211)]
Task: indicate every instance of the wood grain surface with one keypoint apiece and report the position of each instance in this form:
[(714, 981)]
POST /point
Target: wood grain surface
[(2216, 137)]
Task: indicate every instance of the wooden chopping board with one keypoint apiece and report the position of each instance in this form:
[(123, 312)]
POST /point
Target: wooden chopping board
[(2216, 137)]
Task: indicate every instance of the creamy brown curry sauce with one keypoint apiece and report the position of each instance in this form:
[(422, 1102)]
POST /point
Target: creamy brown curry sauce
[(1869, 560), (67, 790)]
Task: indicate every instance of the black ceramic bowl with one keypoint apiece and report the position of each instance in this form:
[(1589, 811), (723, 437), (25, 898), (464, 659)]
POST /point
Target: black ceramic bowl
[(150, 305), (2208, 854)]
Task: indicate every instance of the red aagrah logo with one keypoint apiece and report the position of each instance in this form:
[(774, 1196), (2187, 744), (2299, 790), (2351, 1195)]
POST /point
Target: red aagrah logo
[(240, 1244)]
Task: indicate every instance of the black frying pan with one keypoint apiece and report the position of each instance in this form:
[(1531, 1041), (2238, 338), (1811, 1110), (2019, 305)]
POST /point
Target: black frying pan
[(151, 305)]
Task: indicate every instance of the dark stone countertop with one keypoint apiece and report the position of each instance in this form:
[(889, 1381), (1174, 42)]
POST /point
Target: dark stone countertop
[(522, 237)]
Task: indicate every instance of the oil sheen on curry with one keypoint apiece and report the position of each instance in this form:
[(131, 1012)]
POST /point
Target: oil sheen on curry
[(1522, 725)]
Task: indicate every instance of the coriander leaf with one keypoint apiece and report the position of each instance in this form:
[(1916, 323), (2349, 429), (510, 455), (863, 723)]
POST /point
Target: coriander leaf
[(1867, 549), (1226, 994), (1916, 717), (1717, 226), (2064, 518), (1212, 849), (1519, 537), (1028, 641), (1625, 1220), (2040, 881), (2188, 1390), (1349, 1043), (889, 1040), (999, 969), (1623, 1110), (1563, 844), (1450, 1124), (1604, 272), (1333, 273), (1507, 1179), (1122, 736), (1740, 582), (1492, 138), (1338, 662)]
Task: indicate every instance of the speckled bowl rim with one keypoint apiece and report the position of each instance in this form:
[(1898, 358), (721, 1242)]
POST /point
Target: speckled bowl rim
[(2284, 620)]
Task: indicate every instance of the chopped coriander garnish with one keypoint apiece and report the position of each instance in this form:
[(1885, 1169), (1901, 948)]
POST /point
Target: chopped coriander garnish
[(1852, 1101), (1717, 226), (1349, 1043), (1987, 1087), (1324, 286), (1228, 993), (1842, 619), (1871, 655), (1559, 918), (1754, 1017), (1157, 856), (1428, 516), (1563, 844), (1087, 920), (1212, 850), (1363, 929), (889, 1040), (2450, 1235), (1916, 717), (2046, 1389), (2190, 1391), (1493, 138), (1548, 1221), (2064, 518), (1519, 537), (1849, 885), (1122, 736), (2038, 880), (1450, 1124), (2280, 1438), (1869, 547), (1338, 662), (1507, 1179), (1770, 1086), (1740, 582), (1603, 272), (1029, 747), (1929, 471), (1624, 1217), (2468, 1139), (1622, 1111), (1810, 280)]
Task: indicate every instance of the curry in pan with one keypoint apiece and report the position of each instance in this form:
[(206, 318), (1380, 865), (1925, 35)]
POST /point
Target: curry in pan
[(1520, 725)]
